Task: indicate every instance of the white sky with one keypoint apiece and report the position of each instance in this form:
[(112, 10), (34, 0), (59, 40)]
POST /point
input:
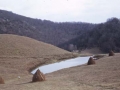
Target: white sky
[(93, 11)]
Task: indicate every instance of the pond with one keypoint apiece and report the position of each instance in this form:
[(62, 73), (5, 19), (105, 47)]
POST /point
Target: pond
[(63, 64)]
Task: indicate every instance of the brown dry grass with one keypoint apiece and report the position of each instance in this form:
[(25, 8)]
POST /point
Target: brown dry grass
[(13, 45), (104, 75), (19, 54), (92, 51)]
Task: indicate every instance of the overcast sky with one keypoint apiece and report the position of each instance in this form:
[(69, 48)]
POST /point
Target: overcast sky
[(93, 11)]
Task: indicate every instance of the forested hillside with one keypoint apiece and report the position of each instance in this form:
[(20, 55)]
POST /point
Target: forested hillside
[(67, 35), (43, 30), (105, 36)]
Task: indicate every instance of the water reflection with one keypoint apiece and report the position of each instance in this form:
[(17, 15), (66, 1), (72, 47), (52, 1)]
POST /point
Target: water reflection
[(61, 65)]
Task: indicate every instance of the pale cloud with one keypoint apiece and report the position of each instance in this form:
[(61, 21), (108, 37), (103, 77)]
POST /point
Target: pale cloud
[(93, 11)]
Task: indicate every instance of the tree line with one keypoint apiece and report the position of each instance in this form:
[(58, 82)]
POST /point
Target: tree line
[(66, 35), (105, 36)]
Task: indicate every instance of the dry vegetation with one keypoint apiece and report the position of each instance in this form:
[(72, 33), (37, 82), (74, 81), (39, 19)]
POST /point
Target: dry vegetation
[(104, 75), (92, 51), (19, 54)]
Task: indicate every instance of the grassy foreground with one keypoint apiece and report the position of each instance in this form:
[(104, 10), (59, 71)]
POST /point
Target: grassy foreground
[(104, 75)]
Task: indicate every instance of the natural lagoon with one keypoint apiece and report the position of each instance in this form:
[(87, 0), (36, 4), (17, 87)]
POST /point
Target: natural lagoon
[(63, 64)]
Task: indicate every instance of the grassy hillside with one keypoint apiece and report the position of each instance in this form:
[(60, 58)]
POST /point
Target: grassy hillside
[(13, 45), (19, 54)]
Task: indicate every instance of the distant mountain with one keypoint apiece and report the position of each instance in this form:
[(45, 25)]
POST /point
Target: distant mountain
[(105, 36), (42, 30)]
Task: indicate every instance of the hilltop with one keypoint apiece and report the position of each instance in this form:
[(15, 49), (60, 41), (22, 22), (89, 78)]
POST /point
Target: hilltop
[(14, 45)]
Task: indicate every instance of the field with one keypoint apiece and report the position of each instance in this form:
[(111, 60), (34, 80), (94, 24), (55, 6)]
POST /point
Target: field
[(15, 68)]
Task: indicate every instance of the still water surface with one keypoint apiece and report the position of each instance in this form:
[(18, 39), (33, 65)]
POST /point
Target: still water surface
[(63, 64)]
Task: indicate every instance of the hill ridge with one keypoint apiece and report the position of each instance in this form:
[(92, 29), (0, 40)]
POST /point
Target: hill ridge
[(14, 45), (43, 30)]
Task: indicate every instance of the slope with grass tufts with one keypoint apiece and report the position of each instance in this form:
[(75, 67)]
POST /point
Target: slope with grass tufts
[(13, 45), (19, 55)]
